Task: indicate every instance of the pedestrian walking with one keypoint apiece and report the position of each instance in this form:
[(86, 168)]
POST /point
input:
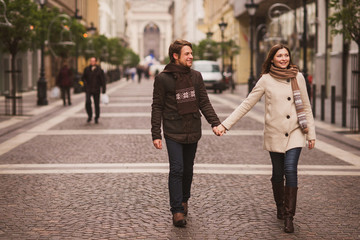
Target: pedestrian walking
[(65, 80), (178, 97), (139, 71), (94, 81), (289, 124)]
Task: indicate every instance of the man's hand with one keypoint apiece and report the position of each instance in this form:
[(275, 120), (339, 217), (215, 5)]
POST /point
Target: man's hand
[(157, 143)]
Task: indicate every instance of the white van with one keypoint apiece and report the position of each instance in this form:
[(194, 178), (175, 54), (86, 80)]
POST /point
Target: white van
[(210, 71)]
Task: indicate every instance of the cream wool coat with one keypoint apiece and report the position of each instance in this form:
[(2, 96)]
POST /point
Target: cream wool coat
[(282, 130)]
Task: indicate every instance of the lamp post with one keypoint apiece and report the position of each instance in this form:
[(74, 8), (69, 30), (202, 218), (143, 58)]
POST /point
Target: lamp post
[(77, 86), (222, 27), (304, 71), (251, 8), (42, 84), (208, 54)]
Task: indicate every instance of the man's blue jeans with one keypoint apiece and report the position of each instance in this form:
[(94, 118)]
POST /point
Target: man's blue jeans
[(285, 164), (181, 160)]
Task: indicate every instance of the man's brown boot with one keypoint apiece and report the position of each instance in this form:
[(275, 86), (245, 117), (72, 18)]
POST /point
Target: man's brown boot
[(185, 206), (179, 219)]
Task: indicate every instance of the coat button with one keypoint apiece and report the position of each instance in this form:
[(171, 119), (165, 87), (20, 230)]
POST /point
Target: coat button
[(286, 134), (287, 116), (289, 98), (288, 80)]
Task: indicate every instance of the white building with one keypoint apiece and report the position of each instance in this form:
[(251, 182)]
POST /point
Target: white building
[(188, 14), (112, 18), (149, 27)]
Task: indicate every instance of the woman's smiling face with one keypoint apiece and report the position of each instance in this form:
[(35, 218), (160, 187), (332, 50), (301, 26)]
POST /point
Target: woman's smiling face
[(281, 58)]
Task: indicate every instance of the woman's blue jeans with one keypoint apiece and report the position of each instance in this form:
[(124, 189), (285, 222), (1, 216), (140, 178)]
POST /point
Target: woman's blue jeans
[(285, 164), (181, 160)]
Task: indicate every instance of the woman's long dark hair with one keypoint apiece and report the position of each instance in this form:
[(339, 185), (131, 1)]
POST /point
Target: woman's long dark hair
[(267, 64)]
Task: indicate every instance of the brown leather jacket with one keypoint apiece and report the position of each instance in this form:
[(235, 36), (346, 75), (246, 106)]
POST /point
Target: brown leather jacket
[(180, 128)]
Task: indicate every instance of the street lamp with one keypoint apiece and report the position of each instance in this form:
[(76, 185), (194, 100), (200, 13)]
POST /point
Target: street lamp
[(251, 8), (77, 86), (6, 22), (222, 27), (42, 84), (209, 34), (304, 71)]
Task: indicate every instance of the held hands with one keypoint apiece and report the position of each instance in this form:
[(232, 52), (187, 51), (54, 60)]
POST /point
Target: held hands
[(219, 130)]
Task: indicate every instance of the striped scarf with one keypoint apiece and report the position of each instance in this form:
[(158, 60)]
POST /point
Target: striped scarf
[(284, 74)]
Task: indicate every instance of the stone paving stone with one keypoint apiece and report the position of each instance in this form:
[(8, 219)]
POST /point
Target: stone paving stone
[(249, 150), (86, 149), (114, 109), (129, 206), (139, 148), (105, 123), (140, 123)]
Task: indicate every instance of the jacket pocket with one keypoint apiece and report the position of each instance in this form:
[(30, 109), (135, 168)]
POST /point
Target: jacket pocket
[(173, 123), (195, 125)]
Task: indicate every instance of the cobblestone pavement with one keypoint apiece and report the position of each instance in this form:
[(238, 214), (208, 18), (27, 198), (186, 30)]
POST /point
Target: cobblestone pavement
[(63, 178)]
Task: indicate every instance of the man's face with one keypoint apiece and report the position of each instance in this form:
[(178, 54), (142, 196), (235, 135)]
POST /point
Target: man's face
[(92, 61), (186, 58)]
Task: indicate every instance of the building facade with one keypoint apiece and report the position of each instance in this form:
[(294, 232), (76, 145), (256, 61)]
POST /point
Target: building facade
[(149, 27), (328, 60), (29, 62)]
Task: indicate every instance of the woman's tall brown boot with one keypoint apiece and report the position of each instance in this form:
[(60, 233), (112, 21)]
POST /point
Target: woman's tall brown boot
[(278, 190), (290, 207)]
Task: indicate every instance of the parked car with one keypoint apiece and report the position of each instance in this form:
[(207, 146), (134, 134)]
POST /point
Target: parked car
[(210, 71)]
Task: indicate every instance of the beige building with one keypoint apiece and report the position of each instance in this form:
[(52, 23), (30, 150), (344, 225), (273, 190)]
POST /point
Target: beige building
[(29, 62), (326, 63), (217, 11)]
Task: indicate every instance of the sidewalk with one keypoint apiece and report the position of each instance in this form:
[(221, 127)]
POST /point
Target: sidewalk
[(31, 110)]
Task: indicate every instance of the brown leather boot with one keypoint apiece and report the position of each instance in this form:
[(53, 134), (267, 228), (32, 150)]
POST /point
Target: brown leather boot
[(179, 219), (185, 205), (290, 207), (278, 190)]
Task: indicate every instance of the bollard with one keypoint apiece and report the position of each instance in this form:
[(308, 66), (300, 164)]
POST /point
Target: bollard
[(323, 89), (333, 102), (314, 100)]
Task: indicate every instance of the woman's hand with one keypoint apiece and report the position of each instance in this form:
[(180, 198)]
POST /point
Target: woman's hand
[(311, 144)]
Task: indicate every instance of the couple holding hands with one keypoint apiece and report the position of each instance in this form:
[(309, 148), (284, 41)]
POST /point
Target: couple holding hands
[(179, 96)]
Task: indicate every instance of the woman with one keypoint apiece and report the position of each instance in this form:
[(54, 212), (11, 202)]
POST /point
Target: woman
[(64, 81), (288, 124)]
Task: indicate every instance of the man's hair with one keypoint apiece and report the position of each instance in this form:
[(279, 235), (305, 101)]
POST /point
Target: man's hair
[(176, 47)]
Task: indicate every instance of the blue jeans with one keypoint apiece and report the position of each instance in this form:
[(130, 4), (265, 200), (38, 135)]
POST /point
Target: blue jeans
[(285, 164), (181, 160)]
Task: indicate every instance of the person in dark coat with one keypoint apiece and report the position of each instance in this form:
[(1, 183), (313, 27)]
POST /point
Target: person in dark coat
[(94, 81), (65, 80), (179, 96)]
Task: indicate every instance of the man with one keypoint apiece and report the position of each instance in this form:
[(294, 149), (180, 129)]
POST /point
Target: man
[(179, 94), (94, 80)]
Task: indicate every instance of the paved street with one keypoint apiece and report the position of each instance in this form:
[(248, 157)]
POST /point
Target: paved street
[(63, 178)]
